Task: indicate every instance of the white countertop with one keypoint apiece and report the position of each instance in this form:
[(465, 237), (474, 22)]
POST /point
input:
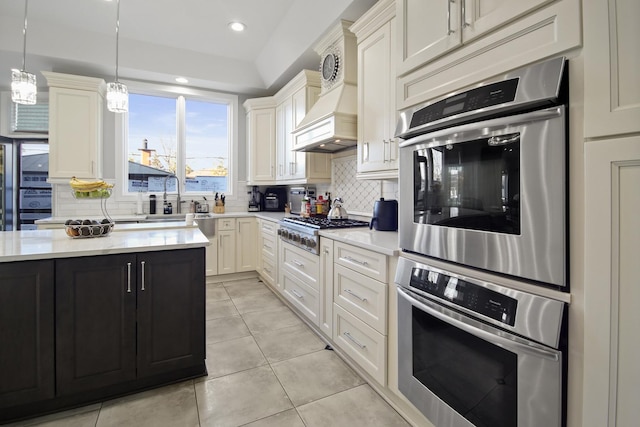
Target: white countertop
[(47, 244), (384, 242)]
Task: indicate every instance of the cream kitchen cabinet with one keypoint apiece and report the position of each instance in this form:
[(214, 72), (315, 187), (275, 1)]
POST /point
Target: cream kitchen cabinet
[(377, 147), (268, 253), (75, 126), (325, 317), (432, 28), (227, 251), (294, 100), (261, 140), (299, 275), (360, 298), (211, 257), (611, 64), (236, 245), (270, 121), (445, 46), (246, 251), (611, 293)]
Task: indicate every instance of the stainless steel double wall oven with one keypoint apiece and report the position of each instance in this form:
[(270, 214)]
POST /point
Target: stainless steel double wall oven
[(483, 186)]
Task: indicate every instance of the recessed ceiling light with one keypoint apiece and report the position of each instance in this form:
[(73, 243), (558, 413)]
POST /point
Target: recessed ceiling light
[(237, 26), (181, 80)]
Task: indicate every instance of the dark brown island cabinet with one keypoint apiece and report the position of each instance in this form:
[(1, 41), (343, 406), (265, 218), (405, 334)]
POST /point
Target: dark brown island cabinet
[(121, 323)]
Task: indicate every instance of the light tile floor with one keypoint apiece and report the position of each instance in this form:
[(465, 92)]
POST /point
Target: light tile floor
[(266, 368)]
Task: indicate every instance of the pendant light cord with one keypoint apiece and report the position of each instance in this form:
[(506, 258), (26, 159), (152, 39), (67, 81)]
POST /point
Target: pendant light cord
[(24, 36), (117, 34)]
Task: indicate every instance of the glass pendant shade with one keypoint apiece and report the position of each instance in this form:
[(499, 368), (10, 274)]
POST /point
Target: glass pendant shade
[(117, 93), (117, 97), (23, 87), (23, 83)]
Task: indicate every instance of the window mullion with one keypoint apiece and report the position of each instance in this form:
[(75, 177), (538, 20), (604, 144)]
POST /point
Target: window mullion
[(181, 138)]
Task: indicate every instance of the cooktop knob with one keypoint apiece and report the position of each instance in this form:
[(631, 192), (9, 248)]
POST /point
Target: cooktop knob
[(303, 241), (311, 243)]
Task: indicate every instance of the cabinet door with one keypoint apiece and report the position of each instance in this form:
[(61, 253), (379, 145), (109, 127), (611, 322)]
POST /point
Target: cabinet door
[(246, 244), (261, 125), (426, 29), (226, 251), (171, 295), (26, 332), (611, 291), (611, 64), (95, 322), (75, 133), (285, 139), (482, 16), (377, 148), (281, 148), (211, 258), (326, 286)]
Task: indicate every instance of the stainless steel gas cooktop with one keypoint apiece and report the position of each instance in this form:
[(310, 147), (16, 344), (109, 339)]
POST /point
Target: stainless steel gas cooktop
[(303, 232)]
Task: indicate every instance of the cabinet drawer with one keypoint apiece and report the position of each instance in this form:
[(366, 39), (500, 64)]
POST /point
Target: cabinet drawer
[(364, 345), (227, 224), (301, 264), (269, 271), (361, 296), (269, 227), (305, 298), (363, 261), (269, 246)]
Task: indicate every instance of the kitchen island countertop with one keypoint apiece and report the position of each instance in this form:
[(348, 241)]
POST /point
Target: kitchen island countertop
[(48, 244)]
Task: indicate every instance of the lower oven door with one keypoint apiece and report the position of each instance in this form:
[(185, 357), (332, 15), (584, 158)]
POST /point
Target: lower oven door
[(461, 372)]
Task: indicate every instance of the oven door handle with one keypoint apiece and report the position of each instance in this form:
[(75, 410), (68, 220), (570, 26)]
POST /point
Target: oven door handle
[(471, 326)]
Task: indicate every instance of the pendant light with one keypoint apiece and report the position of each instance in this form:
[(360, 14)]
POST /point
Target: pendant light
[(117, 93), (23, 83)]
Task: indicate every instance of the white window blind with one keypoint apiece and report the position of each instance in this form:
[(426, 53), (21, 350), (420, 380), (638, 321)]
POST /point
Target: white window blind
[(30, 118)]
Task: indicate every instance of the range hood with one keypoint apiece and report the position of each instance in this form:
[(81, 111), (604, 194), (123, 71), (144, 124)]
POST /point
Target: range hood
[(332, 123)]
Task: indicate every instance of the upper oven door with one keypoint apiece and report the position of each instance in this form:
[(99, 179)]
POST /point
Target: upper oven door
[(490, 195)]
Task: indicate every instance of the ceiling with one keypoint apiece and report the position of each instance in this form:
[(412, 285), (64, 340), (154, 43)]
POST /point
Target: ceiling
[(163, 39)]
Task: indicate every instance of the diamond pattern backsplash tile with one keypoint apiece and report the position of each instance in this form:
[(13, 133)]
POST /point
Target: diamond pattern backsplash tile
[(358, 195)]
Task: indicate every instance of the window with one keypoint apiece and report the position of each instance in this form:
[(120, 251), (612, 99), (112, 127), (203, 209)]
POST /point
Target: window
[(189, 136)]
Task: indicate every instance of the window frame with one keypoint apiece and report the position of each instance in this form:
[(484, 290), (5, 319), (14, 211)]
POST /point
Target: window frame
[(181, 94)]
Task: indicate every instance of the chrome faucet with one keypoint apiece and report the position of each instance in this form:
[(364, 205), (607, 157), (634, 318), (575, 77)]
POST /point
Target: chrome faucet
[(164, 197)]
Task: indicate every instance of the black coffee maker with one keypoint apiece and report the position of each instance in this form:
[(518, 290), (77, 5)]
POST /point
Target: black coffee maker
[(255, 199)]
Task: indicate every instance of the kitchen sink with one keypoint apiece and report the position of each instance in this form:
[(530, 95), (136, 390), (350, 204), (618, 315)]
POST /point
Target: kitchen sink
[(206, 221), (206, 224), (164, 218)]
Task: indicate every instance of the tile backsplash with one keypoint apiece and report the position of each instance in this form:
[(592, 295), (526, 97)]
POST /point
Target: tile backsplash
[(359, 195)]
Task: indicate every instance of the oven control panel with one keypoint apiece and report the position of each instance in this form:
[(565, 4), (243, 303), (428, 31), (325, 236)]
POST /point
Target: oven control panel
[(481, 300)]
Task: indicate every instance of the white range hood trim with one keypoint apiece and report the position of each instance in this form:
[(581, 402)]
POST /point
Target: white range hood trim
[(332, 118)]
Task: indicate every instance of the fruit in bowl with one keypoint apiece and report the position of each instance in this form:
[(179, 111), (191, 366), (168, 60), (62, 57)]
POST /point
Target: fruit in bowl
[(88, 227)]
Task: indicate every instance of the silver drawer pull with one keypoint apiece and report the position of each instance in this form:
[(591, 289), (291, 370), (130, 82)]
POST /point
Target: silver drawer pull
[(267, 246), (293, 291), (298, 263), (129, 277), (350, 292), (348, 258), (142, 265), (353, 340), (268, 270)]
